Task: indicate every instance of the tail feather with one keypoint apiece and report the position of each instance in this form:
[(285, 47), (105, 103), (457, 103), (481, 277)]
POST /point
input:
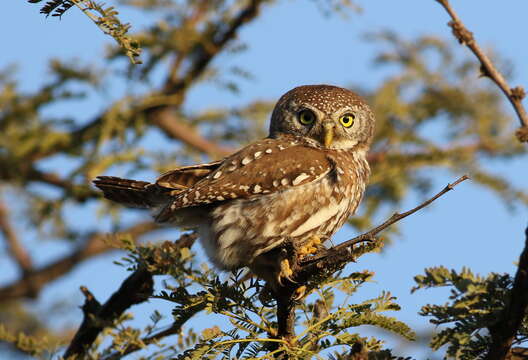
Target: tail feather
[(132, 193)]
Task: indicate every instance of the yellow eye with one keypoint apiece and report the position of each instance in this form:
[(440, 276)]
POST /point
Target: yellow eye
[(306, 117), (347, 120)]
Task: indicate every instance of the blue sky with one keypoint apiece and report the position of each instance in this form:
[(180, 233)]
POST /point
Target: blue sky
[(293, 44)]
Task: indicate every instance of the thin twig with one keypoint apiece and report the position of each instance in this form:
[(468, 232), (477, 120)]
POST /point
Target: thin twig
[(503, 332), (514, 95), (343, 250), (397, 217)]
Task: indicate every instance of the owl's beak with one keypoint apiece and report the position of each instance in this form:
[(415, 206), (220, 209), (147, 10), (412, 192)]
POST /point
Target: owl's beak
[(328, 133)]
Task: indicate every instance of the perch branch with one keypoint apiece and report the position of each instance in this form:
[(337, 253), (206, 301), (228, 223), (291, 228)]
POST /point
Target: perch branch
[(503, 332), (514, 95), (342, 253), (330, 261)]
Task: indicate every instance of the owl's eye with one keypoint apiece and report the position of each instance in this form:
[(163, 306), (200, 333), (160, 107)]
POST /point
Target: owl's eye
[(306, 117), (347, 120)]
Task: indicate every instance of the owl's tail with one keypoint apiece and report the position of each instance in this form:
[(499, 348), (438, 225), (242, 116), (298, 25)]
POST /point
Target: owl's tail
[(132, 193)]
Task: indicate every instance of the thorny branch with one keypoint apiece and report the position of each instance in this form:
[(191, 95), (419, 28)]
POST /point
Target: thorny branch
[(324, 265), (515, 95), (503, 332)]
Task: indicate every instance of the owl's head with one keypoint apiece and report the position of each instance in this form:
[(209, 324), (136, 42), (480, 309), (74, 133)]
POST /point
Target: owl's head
[(334, 117)]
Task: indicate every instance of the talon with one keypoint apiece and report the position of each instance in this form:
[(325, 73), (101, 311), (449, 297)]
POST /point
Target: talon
[(300, 292), (285, 272)]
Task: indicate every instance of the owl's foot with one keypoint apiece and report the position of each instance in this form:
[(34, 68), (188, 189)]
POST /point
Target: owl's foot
[(311, 246), (285, 272)]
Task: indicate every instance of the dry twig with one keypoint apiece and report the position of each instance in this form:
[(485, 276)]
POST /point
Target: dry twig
[(515, 95)]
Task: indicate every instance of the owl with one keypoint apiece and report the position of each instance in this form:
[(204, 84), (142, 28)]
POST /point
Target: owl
[(297, 187)]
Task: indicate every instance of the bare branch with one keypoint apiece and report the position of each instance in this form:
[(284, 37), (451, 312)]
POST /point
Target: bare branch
[(15, 248), (166, 120), (395, 218), (31, 283), (503, 332), (514, 95)]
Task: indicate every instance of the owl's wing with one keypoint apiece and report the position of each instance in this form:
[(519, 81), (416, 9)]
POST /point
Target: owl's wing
[(261, 168), (186, 176), (142, 194)]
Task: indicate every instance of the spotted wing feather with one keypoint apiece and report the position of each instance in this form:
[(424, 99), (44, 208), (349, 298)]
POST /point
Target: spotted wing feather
[(264, 167), (142, 194)]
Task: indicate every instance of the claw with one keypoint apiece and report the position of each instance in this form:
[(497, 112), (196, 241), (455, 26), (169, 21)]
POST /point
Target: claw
[(300, 292), (285, 272)]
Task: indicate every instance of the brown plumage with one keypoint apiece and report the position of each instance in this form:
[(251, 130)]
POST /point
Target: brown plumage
[(301, 182)]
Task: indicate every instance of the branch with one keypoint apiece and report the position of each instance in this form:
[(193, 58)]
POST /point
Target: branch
[(503, 332), (319, 267), (218, 39), (341, 254), (163, 116), (167, 121), (15, 248), (136, 288), (175, 328), (514, 95), (33, 281)]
